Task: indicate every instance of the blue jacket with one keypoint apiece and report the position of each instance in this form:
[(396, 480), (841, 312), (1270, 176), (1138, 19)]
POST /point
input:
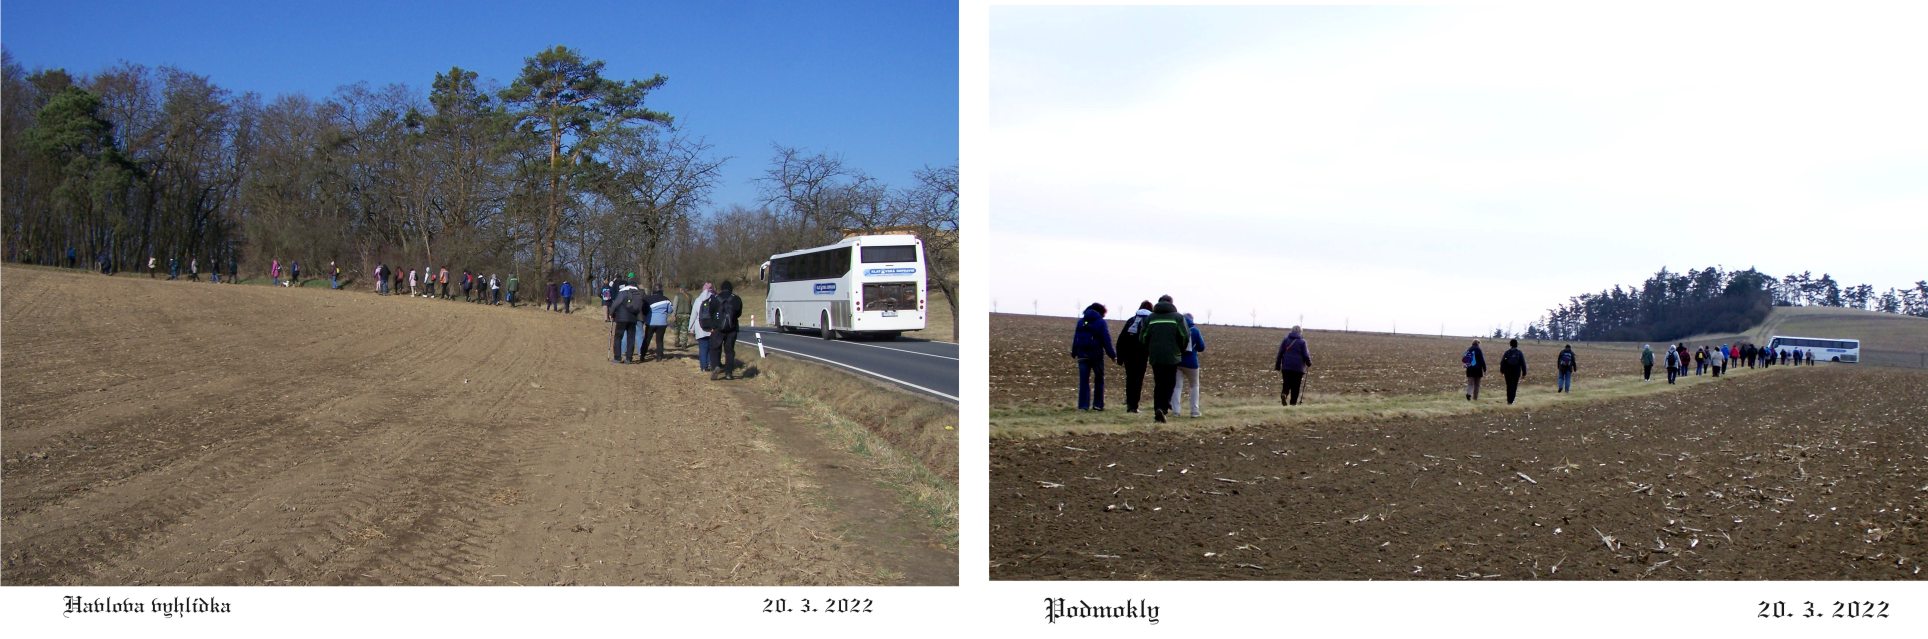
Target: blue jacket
[(568, 291), (1198, 346), (1093, 337), (1293, 354)]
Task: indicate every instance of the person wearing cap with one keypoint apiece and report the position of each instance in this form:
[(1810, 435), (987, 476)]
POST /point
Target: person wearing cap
[(1646, 363), (1188, 366), (726, 328), (625, 312)]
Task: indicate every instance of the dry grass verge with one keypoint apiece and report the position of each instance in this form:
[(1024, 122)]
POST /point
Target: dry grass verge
[(913, 440)]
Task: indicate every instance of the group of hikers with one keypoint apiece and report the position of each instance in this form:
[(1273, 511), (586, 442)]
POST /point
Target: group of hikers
[(1712, 359), (428, 282), (1156, 336), (713, 318), (193, 269), (1168, 342)]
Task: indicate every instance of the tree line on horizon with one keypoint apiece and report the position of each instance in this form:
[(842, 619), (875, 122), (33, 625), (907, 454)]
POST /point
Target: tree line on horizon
[(564, 173), (1670, 305)]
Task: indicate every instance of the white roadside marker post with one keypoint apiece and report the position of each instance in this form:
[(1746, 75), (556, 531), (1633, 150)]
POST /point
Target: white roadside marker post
[(759, 347)]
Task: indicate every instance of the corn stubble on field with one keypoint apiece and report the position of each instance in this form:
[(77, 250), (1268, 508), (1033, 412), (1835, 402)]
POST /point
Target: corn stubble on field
[(1389, 473), (179, 433)]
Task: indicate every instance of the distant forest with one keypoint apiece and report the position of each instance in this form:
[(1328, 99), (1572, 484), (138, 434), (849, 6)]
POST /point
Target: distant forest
[(562, 173), (1669, 305)]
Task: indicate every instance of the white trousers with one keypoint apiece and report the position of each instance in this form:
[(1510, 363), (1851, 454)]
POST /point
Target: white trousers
[(1187, 378)]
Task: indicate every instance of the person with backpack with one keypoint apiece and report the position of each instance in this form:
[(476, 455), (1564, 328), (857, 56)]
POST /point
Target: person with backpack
[(294, 274), (1565, 364), (514, 285), (700, 326), (495, 290), (1646, 363), (1700, 361), (72, 256), (729, 311), (1512, 368), (657, 325), (608, 293), (1718, 360), (1293, 360), (1188, 367), (568, 291), (627, 308), (1133, 356), (1475, 362), (1090, 345), (1165, 339), (1673, 365)]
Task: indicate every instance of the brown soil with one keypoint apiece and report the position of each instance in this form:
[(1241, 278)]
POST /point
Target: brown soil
[(182, 433), (1793, 473)]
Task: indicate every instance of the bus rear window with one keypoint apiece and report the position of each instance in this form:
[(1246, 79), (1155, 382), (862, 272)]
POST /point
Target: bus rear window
[(887, 254)]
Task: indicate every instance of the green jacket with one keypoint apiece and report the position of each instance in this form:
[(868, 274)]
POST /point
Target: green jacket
[(1165, 335), (1646, 357), (514, 283)]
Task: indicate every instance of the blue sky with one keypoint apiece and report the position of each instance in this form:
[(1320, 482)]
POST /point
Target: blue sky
[(1444, 168), (873, 81)]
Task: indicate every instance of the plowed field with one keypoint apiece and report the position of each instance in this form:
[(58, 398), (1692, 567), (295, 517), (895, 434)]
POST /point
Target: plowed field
[(1789, 473), (187, 433)]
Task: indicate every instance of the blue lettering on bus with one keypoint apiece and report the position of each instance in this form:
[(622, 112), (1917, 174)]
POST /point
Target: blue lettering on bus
[(825, 288), (873, 272)]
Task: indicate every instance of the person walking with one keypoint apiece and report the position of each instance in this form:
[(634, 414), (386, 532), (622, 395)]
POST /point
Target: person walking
[(194, 269), (1646, 363), (1512, 369), (173, 268), (1293, 360), (700, 325), (729, 311), (608, 290), (1165, 339), (495, 291), (1700, 361), (414, 289), (1091, 345), (1475, 362), (514, 285), (381, 278), (568, 291), (1673, 365), (72, 258), (627, 307), (442, 278), (658, 324), (334, 276), (1188, 366), (150, 266), (1565, 363), (1133, 356), (214, 270), (549, 297), (294, 273), (1810, 357), (1719, 360), (679, 315), (234, 270)]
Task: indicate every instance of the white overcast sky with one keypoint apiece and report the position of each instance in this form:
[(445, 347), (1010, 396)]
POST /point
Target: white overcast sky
[(1455, 167)]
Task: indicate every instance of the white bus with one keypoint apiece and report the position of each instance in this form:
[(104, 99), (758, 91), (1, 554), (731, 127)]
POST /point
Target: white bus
[(864, 285), (1825, 350)]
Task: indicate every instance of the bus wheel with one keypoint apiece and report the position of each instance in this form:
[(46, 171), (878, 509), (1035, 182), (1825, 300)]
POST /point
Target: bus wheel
[(776, 319), (1837, 359), (825, 331), (889, 336)]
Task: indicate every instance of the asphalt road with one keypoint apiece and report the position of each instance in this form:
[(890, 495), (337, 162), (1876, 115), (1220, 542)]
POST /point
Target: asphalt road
[(922, 366)]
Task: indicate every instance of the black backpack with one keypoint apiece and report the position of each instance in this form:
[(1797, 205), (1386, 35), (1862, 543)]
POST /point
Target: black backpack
[(726, 311), (706, 316), (1566, 359), (633, 303)]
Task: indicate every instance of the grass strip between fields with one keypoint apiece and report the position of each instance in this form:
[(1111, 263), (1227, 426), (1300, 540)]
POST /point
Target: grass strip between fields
[(1535, 393), (841, 403)]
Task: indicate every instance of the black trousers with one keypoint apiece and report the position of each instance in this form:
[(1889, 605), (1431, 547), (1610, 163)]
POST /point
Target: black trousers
[(1512, 387), (726, 342), (1164, 379), (618, 347), (1671, 373), (1134, 382), (652, 334), (1294, 380), (1646, 371)]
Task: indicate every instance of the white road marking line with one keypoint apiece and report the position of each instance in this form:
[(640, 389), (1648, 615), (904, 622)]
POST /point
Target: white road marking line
[(868, 372), (876, 346)]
